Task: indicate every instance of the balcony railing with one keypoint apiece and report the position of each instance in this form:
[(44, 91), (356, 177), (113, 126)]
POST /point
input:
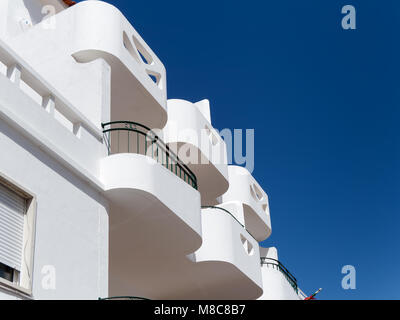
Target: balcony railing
[(228, 212), (124, 298), (132, 137), (279, 266)]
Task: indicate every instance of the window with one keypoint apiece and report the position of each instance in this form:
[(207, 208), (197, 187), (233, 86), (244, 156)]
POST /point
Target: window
[(6, 272), (12, 212), (16, 237)]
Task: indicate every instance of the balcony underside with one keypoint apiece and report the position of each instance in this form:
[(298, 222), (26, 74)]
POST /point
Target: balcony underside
[(170, 278), (147, 225)]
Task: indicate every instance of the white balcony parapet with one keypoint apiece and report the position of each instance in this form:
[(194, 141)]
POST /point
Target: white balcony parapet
[(302, 295), (245, 189), (139, 87), (189, 132), (278, 282)]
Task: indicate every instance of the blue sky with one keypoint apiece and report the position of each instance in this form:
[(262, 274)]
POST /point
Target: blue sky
[(324, 105)]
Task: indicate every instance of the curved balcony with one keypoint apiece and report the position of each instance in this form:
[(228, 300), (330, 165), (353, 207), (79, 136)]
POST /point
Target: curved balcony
[(244, 188), (154, 205), (190, 133), (278, 282), (276, 264), (228, 258), (138, 77), (133, 137)]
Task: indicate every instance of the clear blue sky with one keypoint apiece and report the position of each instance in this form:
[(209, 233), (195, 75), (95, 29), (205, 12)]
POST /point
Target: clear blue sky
[(324, 103)]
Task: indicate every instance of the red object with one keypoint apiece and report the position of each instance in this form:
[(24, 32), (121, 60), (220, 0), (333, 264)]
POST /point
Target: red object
[(312, 297), (69, 3)]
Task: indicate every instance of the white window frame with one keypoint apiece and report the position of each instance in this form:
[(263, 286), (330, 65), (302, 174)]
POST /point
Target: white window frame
[(23, 280)]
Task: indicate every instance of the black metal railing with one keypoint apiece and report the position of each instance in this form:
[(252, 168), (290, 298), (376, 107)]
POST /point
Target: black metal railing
[(132, 137), (228, 212), (124, 298), (279, 266)]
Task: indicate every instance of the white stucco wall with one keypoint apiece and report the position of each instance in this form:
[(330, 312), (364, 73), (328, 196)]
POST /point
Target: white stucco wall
[(85, 150), (71, 223), (60, 169)]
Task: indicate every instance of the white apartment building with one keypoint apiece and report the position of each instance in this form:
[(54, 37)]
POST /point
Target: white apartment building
[(96, 200)]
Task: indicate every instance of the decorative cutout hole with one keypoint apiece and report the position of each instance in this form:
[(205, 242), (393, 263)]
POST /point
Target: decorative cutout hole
[(248, 247), (244, 242), (256, 193), (143, 58), (155, 77), (143, 53), (128, 46)]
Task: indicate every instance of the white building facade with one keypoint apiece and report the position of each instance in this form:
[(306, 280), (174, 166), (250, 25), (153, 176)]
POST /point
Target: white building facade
[(107, 188)]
